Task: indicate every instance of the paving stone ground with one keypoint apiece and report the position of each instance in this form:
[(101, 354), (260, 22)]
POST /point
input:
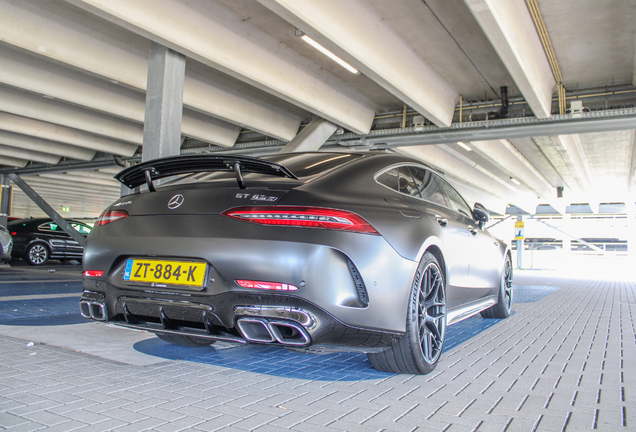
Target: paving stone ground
[(564, 361)]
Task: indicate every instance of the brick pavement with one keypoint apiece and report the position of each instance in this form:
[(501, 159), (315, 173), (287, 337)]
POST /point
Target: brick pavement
[(564, 361)]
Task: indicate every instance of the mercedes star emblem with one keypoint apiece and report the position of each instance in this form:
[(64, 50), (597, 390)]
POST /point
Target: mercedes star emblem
[(175, 201)]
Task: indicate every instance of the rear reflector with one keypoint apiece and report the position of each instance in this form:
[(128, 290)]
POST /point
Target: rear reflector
[(93, 273), (111, 216), (266, 285), (312, 217)]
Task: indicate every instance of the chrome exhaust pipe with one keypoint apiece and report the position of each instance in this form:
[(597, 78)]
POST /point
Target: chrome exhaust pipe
[(255, 330), (289, 333), (93, 310)]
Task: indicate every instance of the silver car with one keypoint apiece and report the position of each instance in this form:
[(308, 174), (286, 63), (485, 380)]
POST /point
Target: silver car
[(6, 244), (319, 252)]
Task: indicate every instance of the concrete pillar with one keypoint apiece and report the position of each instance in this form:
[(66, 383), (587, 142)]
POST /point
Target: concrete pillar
[(5, 198), (631, 229), (567, 240), (519, 245), (164, 103)]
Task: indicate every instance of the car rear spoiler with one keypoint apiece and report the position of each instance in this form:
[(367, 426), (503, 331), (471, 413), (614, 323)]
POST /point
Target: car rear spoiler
[(148, 171)]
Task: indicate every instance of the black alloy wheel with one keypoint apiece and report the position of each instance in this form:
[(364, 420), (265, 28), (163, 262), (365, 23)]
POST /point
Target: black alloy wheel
[(37, 254), (419, 350)]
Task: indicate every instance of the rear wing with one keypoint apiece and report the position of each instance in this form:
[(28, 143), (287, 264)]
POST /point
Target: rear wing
[(148, 171)]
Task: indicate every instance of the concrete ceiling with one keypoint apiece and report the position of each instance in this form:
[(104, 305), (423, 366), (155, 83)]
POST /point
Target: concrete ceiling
[(73, 78)]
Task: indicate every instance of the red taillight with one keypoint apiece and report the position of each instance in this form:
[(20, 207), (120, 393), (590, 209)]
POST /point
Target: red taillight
[(93, 273), (266, 285), (313, 217), (111, 216), (14, 233)]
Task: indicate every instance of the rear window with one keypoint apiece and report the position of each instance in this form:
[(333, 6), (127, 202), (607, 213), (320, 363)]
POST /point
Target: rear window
[(312, 164)]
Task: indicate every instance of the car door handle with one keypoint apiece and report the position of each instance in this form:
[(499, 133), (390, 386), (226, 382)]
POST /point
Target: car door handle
[(442, 221), (472, 230)]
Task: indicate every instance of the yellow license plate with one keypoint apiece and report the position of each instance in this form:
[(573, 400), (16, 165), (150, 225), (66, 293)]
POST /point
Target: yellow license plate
[(164, 272)]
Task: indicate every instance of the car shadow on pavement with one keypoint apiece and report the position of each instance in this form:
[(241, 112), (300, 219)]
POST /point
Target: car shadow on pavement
[(278, 361)]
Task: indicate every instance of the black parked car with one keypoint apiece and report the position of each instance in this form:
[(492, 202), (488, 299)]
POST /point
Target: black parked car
[(319, 252), (40, 239)]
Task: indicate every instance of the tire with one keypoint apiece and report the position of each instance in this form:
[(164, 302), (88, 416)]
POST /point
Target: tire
[(419, 350), (189, 341), (37, 254), (504, 301)]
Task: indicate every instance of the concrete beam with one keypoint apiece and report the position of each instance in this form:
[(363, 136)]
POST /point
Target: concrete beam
[(508, 159), (213, 35), (353, 30), (64, 186), (76, 180), (28, 155), (85, 43), (95, 174), (452, 163), (39, 108), (314, 135), (511, 31), (48, 131), (217, 94), (45, 146), (12, 162), (571, 151), (33, 73)]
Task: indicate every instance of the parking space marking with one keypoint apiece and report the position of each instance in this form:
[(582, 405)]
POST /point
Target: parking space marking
[(38, 296)]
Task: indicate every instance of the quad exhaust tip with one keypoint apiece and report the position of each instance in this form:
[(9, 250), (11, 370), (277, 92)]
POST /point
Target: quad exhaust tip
[(262, 330), (93, 310)]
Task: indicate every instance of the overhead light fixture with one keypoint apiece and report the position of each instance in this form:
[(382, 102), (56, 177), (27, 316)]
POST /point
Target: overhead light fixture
[(326, 52), (515, 181), (464, 146)]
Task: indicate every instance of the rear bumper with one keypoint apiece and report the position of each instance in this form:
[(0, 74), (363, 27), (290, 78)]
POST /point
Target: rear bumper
[(327, 266), (233, 317)]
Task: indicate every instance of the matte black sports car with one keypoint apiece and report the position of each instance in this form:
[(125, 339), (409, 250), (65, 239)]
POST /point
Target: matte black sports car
[(40, 239), (320, 252)]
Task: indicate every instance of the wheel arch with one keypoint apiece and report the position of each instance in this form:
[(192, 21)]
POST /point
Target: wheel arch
[(435, 246), (439, 256)]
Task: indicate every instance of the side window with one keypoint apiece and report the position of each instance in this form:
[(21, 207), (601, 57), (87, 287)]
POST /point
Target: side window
[(400, 180), (407, 184), (389, 179), (454, 198), (49, 226), (83, 229), (427, 186)]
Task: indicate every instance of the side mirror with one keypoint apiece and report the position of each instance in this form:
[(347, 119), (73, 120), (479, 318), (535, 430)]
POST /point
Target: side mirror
[(480, 214)]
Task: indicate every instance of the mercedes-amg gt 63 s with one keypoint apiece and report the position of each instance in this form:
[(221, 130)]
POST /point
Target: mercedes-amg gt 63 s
[(318, 252)]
